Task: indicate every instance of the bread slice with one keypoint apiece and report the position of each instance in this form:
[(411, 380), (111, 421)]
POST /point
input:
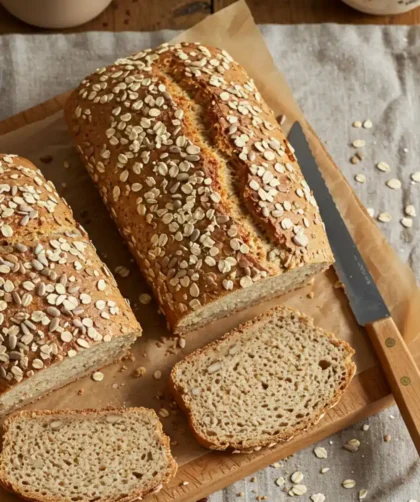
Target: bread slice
[(85, 455), (262, 383)]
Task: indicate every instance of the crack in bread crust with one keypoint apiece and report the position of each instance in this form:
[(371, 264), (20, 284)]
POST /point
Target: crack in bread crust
[(198, 176)]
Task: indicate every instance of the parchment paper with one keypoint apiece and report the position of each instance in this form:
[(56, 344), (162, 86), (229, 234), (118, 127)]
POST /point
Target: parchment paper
[(234, 30)]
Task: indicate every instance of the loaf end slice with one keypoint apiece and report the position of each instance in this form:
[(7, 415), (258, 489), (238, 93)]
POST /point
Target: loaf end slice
[(263, 383), (85, 455)]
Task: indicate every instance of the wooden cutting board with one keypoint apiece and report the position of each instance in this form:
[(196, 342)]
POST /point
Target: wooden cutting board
[(367, 395)]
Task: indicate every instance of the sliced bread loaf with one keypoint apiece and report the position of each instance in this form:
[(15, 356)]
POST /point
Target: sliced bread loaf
[(61, 313), (86, 455), (262, 383), (200, 180)]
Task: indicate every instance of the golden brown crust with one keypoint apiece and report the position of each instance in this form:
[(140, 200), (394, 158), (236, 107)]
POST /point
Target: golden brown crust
[(197, 174), (135, 495), (177, 388), (56, 296), (31, 206)]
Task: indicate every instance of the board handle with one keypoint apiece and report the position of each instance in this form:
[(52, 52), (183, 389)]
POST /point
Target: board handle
[(401, 371)]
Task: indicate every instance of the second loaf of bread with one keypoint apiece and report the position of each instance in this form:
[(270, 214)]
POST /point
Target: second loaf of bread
[(61, 314), (200, 180)]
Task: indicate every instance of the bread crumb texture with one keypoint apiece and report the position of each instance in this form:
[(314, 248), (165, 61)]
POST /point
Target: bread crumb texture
[(264, 382), (81, 456)]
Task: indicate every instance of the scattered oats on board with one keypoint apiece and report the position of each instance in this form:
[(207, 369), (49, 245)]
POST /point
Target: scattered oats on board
[(185, 483), (66, 164), (360, 178), (416, 176), (410, 210), (359, 143), (98, 376), (371, 211), (157, 374), (240, 494), (384, 217), (122, 271), (348, 484), (297, 490), (182, 342), (367, 124), (362, 494), (383, 166), (325, 470), (296, 477), (354, 159), (357, 124), (280, 481), (164, 413), (394, 183), (145, 299), (387, 438), (320, 452), (406, 222), (318, 497), (281, 119), (365, 427), (253, 479), (311, 295)]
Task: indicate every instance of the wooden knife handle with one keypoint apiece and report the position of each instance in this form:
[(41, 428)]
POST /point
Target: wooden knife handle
[(401, 371)]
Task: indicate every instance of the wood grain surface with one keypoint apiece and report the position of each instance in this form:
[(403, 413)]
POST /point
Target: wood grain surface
[(367, 395), (148, 15), (401, 371)]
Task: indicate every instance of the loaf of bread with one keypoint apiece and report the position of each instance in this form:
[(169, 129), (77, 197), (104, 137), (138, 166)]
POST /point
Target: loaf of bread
[(262, 383), (111, 455), (61, 314), (200, 180)]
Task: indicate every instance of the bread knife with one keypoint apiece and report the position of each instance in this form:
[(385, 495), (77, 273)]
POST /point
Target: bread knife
[(365, 300)]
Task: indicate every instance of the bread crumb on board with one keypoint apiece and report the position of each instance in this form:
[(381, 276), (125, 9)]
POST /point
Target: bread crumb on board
[(139, 372)]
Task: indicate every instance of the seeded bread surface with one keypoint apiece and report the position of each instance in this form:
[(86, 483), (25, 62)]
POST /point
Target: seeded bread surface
[(105, 455), (61, 313), (262, 383), (200, 180)]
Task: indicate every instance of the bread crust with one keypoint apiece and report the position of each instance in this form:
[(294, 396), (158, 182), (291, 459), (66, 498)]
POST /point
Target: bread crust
[(252, 215), (177, 388), (136, 494), (57, 297)]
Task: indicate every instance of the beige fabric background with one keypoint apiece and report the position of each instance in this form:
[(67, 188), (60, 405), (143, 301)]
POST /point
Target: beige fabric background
[(338, 74)]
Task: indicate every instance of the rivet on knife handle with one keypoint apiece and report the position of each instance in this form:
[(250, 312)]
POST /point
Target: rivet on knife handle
[(401, 371)]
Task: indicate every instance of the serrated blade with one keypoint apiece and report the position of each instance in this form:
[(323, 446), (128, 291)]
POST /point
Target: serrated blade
[(365, 299)]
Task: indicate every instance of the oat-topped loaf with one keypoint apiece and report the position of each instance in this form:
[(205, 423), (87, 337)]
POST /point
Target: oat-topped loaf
[(61, 314), (200, 180)]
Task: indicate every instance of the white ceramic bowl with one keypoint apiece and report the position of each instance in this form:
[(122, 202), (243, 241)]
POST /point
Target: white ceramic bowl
[(383, 7), (55, 13)]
